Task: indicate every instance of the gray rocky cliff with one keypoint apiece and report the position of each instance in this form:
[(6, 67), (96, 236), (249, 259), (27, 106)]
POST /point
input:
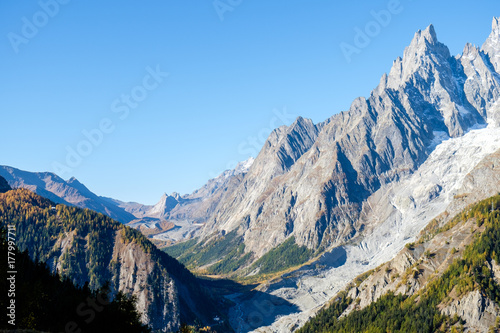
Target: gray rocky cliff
[(135, 273), (478, 311), (492, 45), (130, 270)]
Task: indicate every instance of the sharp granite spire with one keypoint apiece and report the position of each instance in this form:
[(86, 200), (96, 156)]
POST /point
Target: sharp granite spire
[(423, 52), (492, 45)]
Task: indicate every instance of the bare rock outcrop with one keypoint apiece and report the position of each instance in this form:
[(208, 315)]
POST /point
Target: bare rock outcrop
[(477, 310)]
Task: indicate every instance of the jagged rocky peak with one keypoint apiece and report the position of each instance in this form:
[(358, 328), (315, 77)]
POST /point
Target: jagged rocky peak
[(282, 133), (492, 44), (481, 68), (302, 134), (176, 196), (496, 24), (495, 27), (482, 87), (471, 51), (242, 167), (424, 53), (428, 35), (432, 81), (301, 122), (165, 205), (426, 41), (284, 146)]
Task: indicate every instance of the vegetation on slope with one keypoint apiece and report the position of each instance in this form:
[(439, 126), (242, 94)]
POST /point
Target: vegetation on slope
[(235, 259), (44, 301), (328, 317), (224, 254), (180, 250), (40, 224), (285, 255), (420, 312)]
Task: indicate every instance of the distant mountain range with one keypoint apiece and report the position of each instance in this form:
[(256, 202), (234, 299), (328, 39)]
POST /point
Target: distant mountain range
[(69, 192), (188, 211)]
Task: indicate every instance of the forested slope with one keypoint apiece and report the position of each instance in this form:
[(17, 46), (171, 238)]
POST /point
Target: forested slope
[(44, 301), (90, 247), (438, 292)]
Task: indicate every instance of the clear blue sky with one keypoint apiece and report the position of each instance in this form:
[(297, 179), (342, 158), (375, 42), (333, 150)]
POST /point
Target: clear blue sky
[(226, 79)]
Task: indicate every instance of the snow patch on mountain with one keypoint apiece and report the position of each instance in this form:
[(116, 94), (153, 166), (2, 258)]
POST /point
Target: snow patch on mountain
[(241, 167)]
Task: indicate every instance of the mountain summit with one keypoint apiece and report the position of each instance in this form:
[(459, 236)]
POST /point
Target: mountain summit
[(492, 45), (424, 54)]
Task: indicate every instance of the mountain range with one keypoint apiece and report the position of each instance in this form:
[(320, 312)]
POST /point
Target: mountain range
[(323, 203), (316, 182), (187, 212), (444, 112)]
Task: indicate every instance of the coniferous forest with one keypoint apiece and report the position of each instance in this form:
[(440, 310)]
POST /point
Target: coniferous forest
[(47, 302)]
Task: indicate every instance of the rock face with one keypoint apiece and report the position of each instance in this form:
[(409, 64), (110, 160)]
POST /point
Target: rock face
[(70, 192), (492, 45), (442, 146), (134, 272), (130, 270), (311, 181), (478, 311), (394, 216), (4, 186)]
